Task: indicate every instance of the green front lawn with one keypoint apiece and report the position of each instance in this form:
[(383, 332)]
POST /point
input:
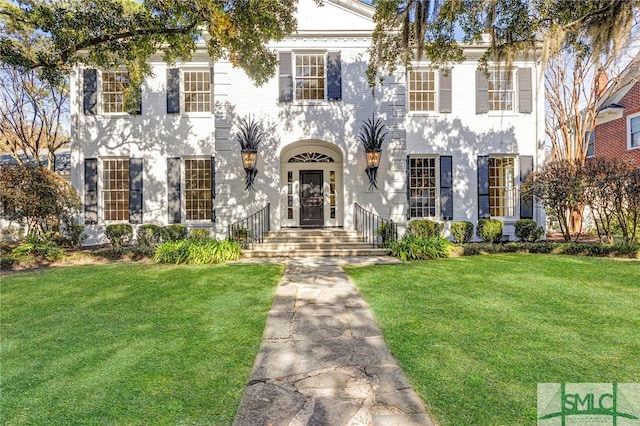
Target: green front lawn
[(476, 334), (130, 344)]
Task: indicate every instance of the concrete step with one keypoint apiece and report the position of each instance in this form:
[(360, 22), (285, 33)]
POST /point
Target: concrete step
[(296, 242), (282, 239), (312, 232), (258, 252), (312, 245)]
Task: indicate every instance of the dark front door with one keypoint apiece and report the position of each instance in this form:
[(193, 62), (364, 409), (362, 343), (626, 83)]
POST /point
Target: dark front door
[(311, 198)]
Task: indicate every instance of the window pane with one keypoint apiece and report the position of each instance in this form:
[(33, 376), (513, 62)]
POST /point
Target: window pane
[(309, 77), (422, 93), (422, 187), (198, 203), (115, 189), (502, 193), (114, 84), (197, 93), (500, 93)]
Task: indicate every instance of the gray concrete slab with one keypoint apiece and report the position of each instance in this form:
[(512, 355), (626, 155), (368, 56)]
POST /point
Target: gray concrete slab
[(323, 360)]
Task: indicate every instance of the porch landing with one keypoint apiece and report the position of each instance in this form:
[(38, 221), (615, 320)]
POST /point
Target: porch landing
[(325, 242)]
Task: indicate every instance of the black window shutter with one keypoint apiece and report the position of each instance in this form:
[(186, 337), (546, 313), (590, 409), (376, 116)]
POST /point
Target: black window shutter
[(213, 189), (135, 190), (173, 90), (334, 77), (90, 191), (446, 187), (138, 109), (483, 187), (211, 86), (90, 91), (526, 203), (173, 189), (525, 94), (285, 77), (482, 93), (444, 98), (408, 187)]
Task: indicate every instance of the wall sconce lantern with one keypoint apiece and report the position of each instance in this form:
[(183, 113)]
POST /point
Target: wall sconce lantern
[(250, 136), (372, 135)]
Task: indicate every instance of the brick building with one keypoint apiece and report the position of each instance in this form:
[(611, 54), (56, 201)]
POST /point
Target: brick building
[(617, 132)]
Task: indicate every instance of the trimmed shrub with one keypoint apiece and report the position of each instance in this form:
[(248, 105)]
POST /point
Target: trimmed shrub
[(119, 234), (36, 248), (73, 235), (419, 248), (490, 230), (197, 252), (424, 228), (200, 234), (149, 235), (527, 230), (462, 232), (175, 232)]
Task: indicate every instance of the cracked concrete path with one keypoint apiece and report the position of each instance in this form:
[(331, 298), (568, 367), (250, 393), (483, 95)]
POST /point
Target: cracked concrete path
[(323, 360)]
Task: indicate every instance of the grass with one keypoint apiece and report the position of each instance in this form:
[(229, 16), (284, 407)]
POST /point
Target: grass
[(130, 344), (476, 334)]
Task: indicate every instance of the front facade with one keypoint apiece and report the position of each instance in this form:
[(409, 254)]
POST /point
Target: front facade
[(459, 143)]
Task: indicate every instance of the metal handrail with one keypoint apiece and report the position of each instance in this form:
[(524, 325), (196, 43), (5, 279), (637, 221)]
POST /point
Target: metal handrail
[(251, 229), (374, 229)]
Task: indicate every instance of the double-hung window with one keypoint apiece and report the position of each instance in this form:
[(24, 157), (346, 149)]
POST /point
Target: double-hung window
[(501, 92), (422, 187), (590, 137), (634, 132), (502, 187), (197, 189), (197, 91), (422, 90), (114, 85), (310, 76), (115, 189)]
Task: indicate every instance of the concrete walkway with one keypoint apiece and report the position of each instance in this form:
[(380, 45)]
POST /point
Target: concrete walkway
[(322, 360)]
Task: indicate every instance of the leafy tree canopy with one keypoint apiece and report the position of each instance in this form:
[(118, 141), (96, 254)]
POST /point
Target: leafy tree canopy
[(53, 35), (408, 30)]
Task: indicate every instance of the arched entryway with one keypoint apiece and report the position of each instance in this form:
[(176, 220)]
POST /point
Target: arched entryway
[(312, 193)]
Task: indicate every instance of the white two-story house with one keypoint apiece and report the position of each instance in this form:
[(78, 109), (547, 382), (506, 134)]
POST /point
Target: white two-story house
[(459, 144)]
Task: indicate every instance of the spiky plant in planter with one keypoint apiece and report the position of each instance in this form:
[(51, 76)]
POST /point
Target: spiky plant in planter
[(250, 136), (372, 135)]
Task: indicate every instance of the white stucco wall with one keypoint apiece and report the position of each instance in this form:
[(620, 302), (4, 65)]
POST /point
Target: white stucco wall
[(337, 26)]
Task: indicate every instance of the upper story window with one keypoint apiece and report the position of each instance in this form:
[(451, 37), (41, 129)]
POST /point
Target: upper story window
[(502, 187), (634, 132), (422, 90), (115, 189), (500, 90), (197, 91), (114, 84), (104, 92), (505, 90), (310, 76)]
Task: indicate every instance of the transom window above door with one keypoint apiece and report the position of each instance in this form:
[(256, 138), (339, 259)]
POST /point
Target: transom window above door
[(311, 157)]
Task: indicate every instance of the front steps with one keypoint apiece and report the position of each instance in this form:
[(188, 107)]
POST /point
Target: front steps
[(313, 243)]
